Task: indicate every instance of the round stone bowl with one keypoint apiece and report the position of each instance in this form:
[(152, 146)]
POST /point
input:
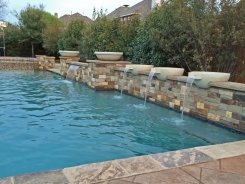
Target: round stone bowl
[(162, 72), (202, 79), (109, 56), (67, 53), (137, 68)]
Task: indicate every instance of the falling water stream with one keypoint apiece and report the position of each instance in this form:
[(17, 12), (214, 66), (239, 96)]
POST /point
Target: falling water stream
[(71, 73), (187, 90), (148, 84), (126, 69)]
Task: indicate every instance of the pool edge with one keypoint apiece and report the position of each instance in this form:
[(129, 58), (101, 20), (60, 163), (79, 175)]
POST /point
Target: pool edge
[(133, 166)]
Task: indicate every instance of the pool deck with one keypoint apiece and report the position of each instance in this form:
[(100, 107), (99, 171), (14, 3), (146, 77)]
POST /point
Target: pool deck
[(215, 164)]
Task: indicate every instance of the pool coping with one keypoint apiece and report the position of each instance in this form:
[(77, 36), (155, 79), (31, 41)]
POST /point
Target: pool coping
[(133, 166)]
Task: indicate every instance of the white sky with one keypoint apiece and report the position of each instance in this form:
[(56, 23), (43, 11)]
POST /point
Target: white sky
[(85, 7)]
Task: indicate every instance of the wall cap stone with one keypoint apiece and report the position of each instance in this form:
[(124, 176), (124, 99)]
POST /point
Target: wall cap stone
[(108, 62), (77, 63), (178, 78), (229, 85)]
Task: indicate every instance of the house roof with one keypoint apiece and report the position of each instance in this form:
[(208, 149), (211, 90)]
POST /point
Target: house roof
[(67, 19), (142, 8)]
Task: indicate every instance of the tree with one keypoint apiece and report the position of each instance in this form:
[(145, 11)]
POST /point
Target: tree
[(196, 35), (31, 26), (51, 32), (109, 35), (71, 38)]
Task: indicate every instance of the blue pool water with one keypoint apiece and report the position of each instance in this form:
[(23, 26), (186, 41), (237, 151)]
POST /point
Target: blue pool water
[(47, 123)]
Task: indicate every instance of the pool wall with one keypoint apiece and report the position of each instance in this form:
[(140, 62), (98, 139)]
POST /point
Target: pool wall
[(18, 63), (223, 103)]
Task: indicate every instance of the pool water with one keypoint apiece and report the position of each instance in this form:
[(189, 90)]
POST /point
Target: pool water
[(48, 123)]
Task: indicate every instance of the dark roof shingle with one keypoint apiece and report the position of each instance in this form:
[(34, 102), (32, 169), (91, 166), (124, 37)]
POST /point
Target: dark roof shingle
[(142, 8)]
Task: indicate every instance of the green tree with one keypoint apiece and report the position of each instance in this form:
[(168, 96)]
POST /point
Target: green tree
[(13, 46), (109, 35), (71, 38), (31, 26), (197, 35), (51, 32)]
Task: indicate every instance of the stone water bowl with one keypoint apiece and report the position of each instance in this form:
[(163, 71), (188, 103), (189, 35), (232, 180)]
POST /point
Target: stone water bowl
[(137, 68), (109, 56), (202, 79), (162, 72), (67, 53)]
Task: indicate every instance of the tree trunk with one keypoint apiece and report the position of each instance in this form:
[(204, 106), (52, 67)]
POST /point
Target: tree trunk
[(32, 49)]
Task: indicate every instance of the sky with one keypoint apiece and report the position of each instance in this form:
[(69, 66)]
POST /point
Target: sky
[(84, 7)]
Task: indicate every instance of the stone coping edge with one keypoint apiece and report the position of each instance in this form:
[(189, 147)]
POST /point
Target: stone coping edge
[(77, 63), (225, 85), (108, 62), (104, 171)]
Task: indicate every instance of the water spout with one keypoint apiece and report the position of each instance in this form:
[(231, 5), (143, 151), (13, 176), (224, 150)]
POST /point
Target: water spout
[(126, 69), (148, 84), (72, 71), (187, 90)]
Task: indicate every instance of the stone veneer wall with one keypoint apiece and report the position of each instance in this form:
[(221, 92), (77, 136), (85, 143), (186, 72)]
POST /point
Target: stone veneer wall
[(45, 62), (99, 75), (223, 103), (18, 63)]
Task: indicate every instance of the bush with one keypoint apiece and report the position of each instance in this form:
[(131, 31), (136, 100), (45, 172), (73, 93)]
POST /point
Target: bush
[(71, 38), (109, 35), (196, 35)]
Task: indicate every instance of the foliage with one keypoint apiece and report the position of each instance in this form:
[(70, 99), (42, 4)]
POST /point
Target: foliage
[(31, 25), (197, 35), (109, 35), (51, 32), (71, 38)]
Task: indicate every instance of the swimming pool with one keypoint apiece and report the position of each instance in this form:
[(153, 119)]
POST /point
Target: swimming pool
[(47, 123)]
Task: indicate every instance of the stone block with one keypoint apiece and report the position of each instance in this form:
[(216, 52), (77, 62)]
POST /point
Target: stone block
[(159, 97), (226, 97), (203, 112), (236, 116), (231, 120), (226, 93), (211, 106), (240, 98), (102, 76), (213, 117), (177, 102), (171, 104), (227, 101), (200, 105), (228, 114), (100, 84), (211, 94)]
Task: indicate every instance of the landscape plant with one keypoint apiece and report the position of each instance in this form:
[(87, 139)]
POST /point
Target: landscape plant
[(196, 35)]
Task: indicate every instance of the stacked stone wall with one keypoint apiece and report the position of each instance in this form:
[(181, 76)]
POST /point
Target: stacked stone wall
[(222, 103), (18, 63)]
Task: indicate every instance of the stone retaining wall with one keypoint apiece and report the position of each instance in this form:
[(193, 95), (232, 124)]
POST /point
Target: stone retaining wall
[(223, 103), (98, 75), (45, 62), (18, 63), (217, 104)]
